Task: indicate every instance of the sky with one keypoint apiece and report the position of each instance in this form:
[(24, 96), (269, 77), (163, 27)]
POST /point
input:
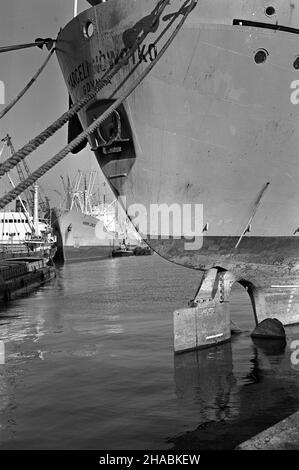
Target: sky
[(22, 21)]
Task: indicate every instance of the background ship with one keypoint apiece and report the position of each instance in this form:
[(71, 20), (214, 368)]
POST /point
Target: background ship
[(89, 226), (23, 232)]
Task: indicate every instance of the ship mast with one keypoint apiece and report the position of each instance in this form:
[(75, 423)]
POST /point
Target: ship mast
[(6, 140), (35, 211), (27, 194), (23, 172)]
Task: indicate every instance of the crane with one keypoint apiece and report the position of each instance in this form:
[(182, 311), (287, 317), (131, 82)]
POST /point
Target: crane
[(23, 173)]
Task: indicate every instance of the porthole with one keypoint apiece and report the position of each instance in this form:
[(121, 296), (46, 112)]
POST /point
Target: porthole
[(261, 56), (88, 29), (270, 11)]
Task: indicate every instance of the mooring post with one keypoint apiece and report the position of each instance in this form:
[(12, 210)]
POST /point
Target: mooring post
[(207, 320)]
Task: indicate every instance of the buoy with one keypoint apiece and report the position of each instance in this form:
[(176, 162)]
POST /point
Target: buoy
[(269, 328)]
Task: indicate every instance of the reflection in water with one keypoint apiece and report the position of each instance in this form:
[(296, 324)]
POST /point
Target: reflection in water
[(270, 354), (270, 347), (4, 395), (90, 365), (268, 394), (206, 378), (20, 328)]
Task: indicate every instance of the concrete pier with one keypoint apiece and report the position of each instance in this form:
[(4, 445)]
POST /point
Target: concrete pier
[(282, 436), (21, 275)]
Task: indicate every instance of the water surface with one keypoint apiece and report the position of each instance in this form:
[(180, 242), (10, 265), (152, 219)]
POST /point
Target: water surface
[(90, 365)]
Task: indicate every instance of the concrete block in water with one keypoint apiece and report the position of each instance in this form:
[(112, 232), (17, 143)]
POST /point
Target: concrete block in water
[(206, 324), (282, 436)]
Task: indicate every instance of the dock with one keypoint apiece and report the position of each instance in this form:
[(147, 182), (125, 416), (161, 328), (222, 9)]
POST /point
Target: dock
[(21, 275), (282, 436)]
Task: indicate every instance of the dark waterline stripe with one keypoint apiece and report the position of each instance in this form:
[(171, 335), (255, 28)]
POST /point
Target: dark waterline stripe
[(256, 24)]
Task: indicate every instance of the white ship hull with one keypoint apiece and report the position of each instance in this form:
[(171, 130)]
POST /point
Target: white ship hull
[(80, 237)]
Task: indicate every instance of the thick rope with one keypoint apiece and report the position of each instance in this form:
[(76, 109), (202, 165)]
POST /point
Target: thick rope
[(13, 194), (173, 17), (38, 43), (26, 88), (32, 145)]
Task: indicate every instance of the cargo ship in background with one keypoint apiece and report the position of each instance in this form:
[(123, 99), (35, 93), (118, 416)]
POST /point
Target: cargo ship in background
[(215, 122), (25, 229), (88, 226), (22, 235)]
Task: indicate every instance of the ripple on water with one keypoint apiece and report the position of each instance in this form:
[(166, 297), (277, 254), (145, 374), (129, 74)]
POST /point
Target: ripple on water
[(90, 364)]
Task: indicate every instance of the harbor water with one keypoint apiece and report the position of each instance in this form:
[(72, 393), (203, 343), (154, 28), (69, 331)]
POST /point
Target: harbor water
[(89, 364)]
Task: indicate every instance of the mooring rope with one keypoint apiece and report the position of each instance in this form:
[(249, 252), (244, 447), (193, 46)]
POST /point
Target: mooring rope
[(38, 43), (26, 88), (32, 145), (43, 169)]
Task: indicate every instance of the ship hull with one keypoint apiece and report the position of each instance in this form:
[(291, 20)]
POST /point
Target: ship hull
[(206, 130), (86, 253), (215, 124), (80, 237)]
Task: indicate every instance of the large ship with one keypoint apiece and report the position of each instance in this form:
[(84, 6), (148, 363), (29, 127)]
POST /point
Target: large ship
[(81, 235), (21, 235), (89, 226), (24, 231), (215, 122)]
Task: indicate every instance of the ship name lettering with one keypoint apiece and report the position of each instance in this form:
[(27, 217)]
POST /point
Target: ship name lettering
[(147, 51), (295, 94), (142, 53), (90, 85), (152, 51), (102, 61), (78, 75), (112, 57)]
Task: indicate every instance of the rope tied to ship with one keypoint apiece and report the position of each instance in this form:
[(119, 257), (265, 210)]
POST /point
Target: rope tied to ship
[(48, 42), (43, 169), (105, 80)]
